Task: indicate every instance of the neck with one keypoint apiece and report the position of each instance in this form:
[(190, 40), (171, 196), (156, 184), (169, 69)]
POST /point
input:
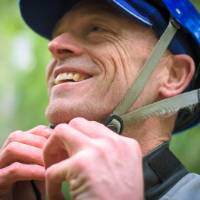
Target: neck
[(151, 132)]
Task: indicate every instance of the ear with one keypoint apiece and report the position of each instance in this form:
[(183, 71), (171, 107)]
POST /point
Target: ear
[(179, 75)]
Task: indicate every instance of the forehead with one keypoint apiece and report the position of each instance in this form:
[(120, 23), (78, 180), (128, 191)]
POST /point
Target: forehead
[(99, 10), (87, 8), (97, 6)]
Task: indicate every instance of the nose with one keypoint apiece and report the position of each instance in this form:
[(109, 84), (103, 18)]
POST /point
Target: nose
[(64, 46)]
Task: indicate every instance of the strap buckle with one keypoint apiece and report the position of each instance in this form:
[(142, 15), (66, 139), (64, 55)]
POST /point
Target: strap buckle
[(115, 123)]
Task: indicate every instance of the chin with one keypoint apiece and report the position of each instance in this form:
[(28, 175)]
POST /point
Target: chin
[(59, 112)]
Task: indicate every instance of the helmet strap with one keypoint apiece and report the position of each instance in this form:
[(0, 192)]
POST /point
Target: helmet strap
[(160, 108), (164, 107)]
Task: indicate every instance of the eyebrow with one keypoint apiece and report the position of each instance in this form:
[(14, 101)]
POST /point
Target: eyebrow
[(86, 17)]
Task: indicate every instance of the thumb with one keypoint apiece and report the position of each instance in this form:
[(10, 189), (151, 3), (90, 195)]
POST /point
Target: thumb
[(58, 173)]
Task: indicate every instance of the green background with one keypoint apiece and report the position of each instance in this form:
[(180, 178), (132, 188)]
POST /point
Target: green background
[(23, 96)]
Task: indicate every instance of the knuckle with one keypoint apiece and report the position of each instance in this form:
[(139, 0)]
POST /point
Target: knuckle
[(114, 141), (99, 148), (41, 141), (42, 131), (56, 135), (76, 121), (58, 131), (11, 148), (101, 153), (13, 136), (50, 173), (14, 169), (80, 163), (40, 127), (37, 130), (59, 127)]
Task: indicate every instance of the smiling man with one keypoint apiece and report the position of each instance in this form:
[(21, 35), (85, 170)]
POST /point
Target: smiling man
[(93, 42), (109, 74)]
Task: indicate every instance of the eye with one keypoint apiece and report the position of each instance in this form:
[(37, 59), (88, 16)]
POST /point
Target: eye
[(95, 29)]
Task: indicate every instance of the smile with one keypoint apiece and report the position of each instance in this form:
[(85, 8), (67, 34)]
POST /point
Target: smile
[(69, 77)]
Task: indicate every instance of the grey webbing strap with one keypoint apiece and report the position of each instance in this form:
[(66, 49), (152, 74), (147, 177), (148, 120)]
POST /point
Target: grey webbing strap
[(147, 70), (163, 107)]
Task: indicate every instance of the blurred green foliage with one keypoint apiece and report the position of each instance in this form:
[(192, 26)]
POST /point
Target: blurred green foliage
[(23, 96), (23, 57)]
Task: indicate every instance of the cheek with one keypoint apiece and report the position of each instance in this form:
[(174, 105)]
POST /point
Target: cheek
[(115, 63), (118, 61), (49, 69)]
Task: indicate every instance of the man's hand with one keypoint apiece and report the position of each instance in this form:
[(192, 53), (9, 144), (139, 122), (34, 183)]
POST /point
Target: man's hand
[(21, 160), (97, 163)]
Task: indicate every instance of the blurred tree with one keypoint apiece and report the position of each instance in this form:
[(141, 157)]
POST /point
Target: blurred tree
[(197, 3), (23, 57)]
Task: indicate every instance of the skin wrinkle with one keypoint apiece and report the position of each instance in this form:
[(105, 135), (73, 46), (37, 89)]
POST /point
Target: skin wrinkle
[(126, 53), (123, 53), (120, 54), (110, 62), (113, 40), (101, 178), (118, 47), (108, 38), (117, 180), (105, 63), (128, 65)]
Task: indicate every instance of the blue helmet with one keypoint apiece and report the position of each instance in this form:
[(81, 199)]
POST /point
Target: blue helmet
[(42, 17)]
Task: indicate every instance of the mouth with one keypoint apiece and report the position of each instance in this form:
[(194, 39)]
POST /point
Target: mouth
[(70, 77)]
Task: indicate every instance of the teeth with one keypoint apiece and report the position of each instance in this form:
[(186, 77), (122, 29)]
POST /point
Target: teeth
[(70, 76), (77, 77), (63, 77)]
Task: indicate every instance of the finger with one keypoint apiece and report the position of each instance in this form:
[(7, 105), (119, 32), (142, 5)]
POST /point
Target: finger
[(72, 139), (91, 128), (41, 131), (54, 151), (55, 175), (77, 187), (58, 173), (17, 152), (20, 172), (26, 138), (65, 142)]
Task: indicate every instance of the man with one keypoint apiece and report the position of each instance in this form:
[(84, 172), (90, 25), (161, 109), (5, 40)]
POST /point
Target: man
[(99, 50)]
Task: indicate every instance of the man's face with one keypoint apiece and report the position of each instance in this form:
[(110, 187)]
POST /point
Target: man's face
[(97, 54)]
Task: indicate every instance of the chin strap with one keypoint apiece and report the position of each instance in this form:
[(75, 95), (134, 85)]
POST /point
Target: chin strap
[(164, 107), (160, 108), (149, 67)]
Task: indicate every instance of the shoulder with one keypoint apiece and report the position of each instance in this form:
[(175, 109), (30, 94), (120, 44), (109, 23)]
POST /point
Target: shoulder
[(185, 189)]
